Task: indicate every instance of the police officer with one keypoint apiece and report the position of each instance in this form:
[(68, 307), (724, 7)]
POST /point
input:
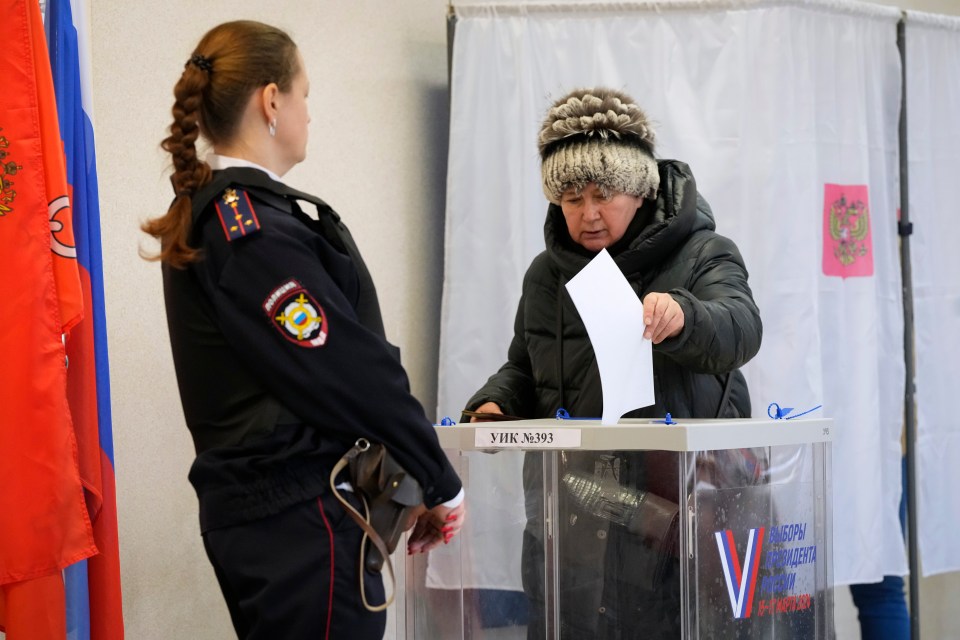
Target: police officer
[(280, 352)]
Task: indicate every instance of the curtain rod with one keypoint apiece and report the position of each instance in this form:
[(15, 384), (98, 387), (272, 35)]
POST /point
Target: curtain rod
[(951, 23), (852, 7)]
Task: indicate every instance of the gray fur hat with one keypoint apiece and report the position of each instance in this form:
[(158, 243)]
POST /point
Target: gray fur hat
[(597, 135)]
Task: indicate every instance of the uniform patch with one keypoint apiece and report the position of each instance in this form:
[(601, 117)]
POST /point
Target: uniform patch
[(297, 315), (236, 213)]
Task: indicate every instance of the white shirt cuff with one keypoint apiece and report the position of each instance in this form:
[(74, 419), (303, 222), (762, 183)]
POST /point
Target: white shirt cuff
[(456, 501)]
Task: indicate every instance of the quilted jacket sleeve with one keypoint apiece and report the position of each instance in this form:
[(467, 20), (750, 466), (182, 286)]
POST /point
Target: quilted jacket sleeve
[(722, 328)]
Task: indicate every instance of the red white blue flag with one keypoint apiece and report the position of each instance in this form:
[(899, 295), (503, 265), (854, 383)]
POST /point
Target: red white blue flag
[(93, 586)]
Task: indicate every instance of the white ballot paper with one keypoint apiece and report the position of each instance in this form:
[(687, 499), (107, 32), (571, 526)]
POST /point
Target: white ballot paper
[(613, 315)]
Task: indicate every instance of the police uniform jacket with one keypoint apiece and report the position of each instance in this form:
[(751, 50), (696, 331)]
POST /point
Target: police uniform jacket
[(280, 354)]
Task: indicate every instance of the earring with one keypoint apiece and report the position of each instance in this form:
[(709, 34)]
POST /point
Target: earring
[(272, 128)]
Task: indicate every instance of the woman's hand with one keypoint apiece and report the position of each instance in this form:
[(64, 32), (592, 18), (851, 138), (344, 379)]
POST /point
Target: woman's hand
[(437, 525), (414, 516), (662, 317), (486, 407)]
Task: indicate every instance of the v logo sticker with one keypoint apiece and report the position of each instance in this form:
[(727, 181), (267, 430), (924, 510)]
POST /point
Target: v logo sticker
[(741, 583)]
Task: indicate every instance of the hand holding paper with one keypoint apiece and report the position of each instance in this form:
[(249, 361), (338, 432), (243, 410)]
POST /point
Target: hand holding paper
[(662, 316), (614, 318)]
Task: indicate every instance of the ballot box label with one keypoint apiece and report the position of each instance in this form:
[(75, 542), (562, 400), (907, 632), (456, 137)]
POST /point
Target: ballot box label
[(495, 438)]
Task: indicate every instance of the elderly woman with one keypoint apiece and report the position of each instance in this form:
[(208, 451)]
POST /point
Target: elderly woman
[(607, 191)]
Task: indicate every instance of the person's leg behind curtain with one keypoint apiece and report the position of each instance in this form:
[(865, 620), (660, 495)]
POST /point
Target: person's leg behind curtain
[(882, 606)]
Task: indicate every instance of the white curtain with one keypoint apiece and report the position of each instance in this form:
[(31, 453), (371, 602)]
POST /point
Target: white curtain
[(933, 134), (781, 108)]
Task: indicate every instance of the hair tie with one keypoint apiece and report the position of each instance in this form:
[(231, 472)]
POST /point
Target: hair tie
[(200, 62)]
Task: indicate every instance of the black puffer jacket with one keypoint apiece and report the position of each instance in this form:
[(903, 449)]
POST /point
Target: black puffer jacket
[(551, 363), (613, 584)]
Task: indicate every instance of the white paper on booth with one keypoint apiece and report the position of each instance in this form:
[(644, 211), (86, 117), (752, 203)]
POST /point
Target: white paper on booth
[(613, 316)]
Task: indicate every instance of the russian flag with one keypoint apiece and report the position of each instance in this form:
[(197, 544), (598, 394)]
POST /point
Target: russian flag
[(94, 609)]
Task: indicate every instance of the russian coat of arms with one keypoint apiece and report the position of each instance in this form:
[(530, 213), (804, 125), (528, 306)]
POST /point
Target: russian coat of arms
[(847, 242)]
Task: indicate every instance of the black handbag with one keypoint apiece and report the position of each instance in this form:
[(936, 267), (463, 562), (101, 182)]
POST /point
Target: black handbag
[(390, 496)]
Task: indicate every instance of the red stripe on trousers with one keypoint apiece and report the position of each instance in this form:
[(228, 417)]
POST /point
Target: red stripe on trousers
[(330, 602)]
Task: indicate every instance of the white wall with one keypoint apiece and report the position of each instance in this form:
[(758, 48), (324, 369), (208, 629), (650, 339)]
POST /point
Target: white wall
[(377, 154)]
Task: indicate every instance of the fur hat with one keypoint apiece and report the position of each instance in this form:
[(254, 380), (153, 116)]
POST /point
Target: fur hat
[(597, 135)]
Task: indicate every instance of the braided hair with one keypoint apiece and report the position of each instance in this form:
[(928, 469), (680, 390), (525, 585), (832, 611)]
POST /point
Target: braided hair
[(231, 61)]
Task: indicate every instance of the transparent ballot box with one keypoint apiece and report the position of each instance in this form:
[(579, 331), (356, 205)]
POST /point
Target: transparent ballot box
[(702, 529)]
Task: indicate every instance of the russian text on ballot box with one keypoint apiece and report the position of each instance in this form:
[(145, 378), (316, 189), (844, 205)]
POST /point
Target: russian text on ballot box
[(559, 438)]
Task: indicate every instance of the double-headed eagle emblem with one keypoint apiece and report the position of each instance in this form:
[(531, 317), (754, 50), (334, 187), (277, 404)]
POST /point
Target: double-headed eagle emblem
[(849, 228)]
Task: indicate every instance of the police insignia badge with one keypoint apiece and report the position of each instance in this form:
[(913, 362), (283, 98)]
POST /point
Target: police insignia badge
[(297, 315), (236, 214)]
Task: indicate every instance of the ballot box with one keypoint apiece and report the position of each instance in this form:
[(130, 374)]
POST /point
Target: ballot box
[(644, 529)]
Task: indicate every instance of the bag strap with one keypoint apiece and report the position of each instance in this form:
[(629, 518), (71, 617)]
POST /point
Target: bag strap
[(364, 522)]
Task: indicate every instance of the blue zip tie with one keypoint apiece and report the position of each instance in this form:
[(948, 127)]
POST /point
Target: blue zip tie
[(447, 422), (781, 414), (562, 414)]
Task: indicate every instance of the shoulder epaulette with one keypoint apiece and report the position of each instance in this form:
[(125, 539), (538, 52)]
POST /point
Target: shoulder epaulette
[(242, 180), (236, 213)]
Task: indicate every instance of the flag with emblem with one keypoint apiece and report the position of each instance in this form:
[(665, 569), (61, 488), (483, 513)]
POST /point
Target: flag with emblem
[(93, 595), (43, 516)]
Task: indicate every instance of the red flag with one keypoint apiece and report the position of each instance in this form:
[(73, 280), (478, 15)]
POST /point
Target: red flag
[(44, 525)]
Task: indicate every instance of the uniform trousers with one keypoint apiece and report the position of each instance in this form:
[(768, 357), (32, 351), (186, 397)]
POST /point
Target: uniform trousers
[(295, 574)]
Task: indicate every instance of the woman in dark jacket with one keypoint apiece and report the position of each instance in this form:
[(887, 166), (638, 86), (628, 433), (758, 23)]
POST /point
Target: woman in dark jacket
[(607, 192)]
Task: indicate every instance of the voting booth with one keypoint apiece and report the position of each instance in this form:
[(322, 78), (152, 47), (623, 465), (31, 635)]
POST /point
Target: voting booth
[(643, 529)]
